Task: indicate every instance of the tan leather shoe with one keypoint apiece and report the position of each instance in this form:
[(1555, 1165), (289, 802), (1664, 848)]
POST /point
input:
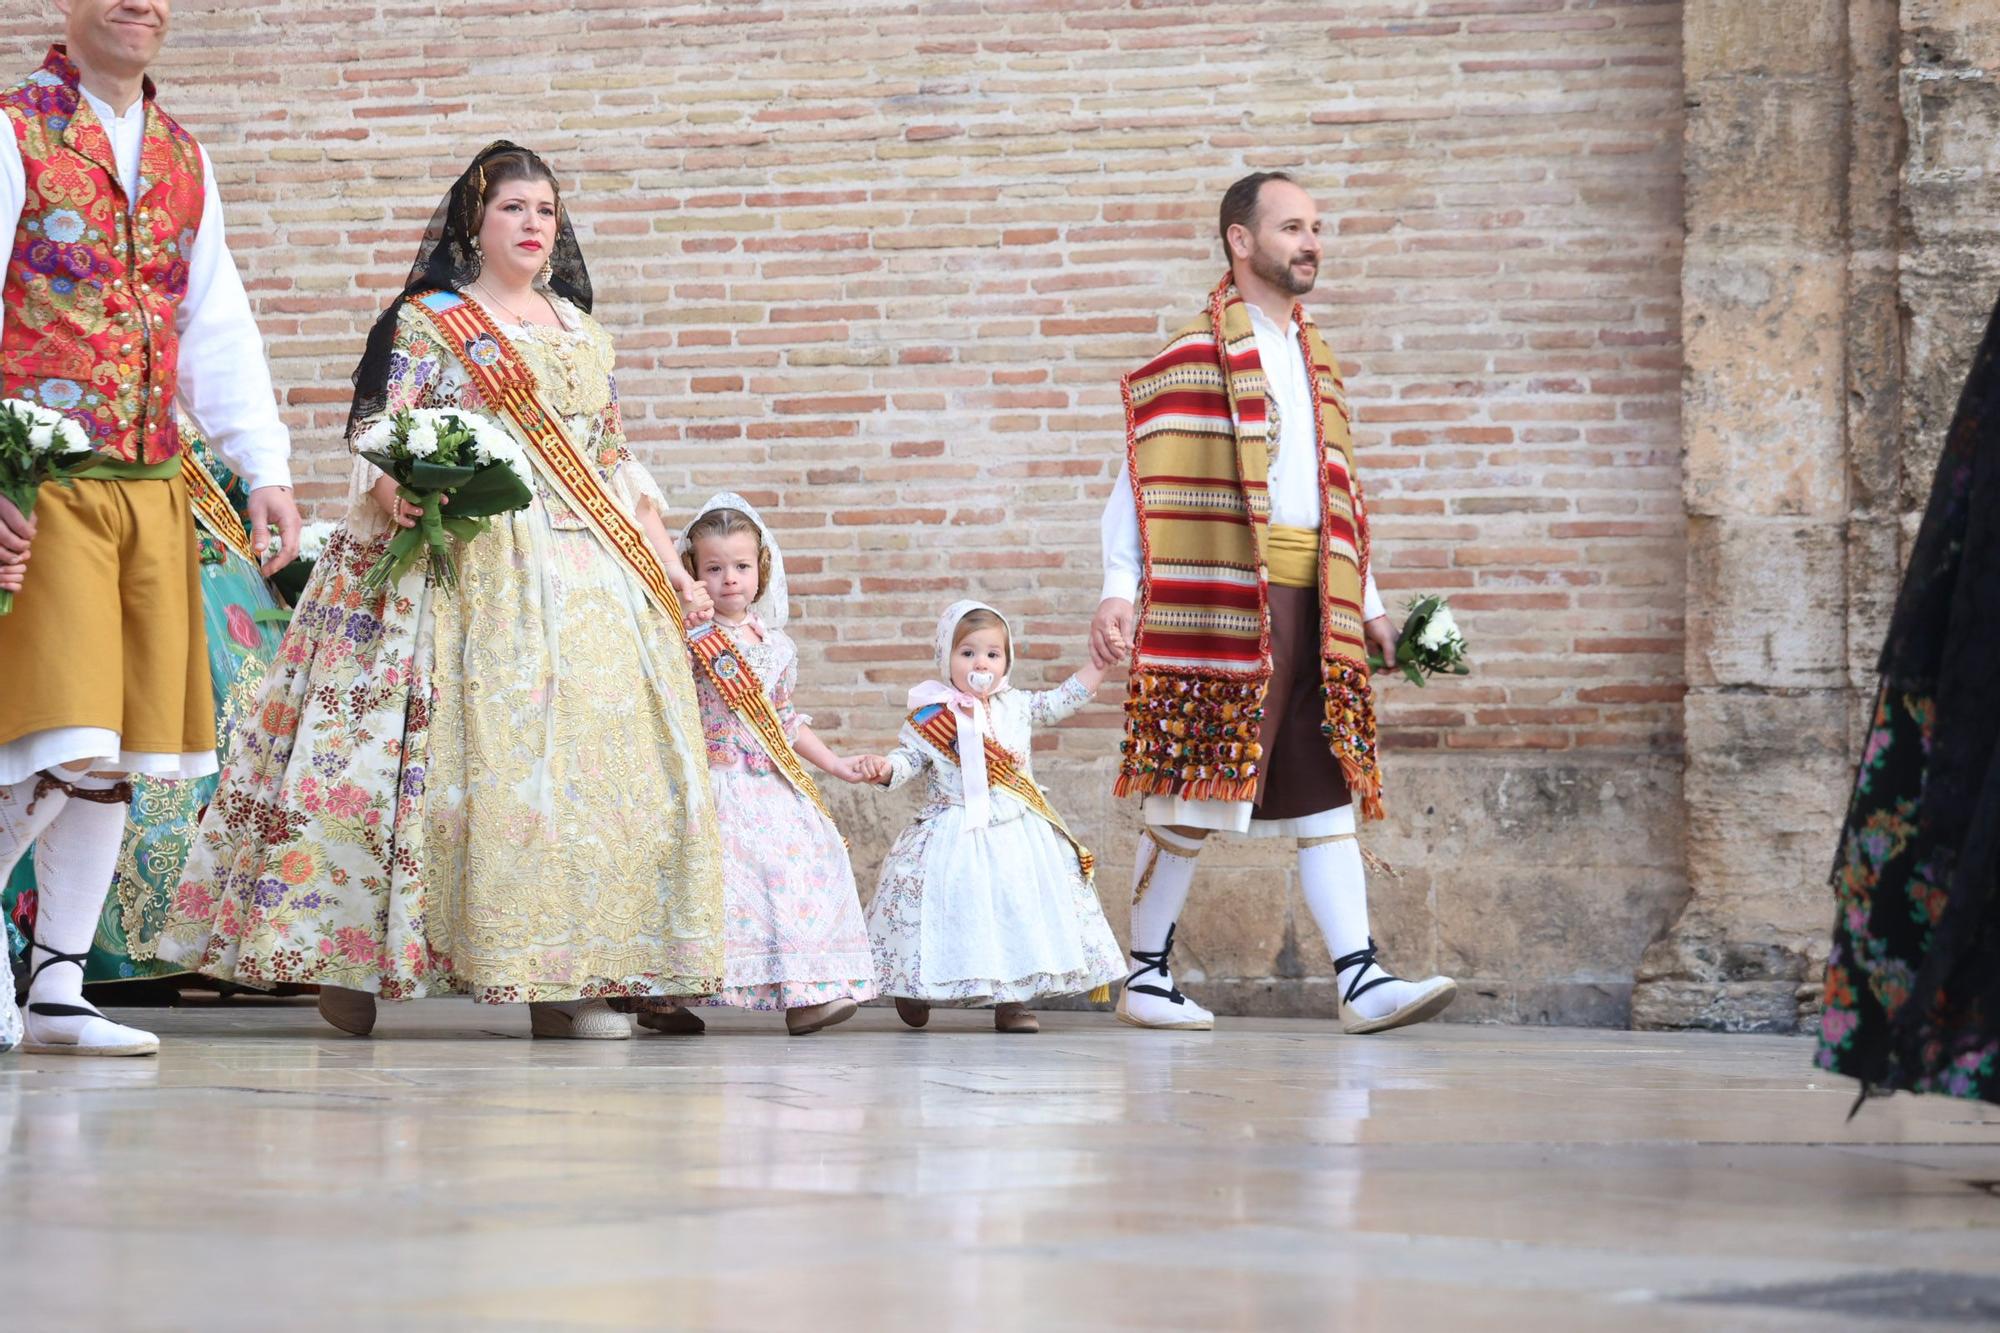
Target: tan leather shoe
[(1014, 1018), (812, 1017), (352, 1011), (674, 1022)]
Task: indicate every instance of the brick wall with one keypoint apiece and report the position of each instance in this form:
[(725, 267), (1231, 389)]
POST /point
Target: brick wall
[(879, 266)]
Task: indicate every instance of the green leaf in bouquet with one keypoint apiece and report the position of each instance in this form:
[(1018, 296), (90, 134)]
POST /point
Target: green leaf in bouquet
[(397, 559), (1421, 611), (494, 488), (1410, 671), (437, 476), (417, 473)]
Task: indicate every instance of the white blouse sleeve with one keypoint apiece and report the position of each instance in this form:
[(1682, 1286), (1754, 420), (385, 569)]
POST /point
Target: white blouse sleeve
[(908, 759), (225, 381), (1048, 707), (1124, 557), (13, 194)]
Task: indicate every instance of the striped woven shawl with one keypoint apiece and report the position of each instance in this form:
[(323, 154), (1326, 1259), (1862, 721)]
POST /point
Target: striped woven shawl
[(1199, 434)]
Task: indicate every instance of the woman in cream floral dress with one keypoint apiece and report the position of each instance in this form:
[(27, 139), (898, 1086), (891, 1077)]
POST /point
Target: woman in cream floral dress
[(500, 789)]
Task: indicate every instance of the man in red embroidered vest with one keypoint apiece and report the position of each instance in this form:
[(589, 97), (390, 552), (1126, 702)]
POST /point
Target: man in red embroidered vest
[(119, 306), (1238, 529)]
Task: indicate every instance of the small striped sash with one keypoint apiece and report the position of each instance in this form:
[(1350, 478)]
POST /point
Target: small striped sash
[(743, 692), (938, 726)]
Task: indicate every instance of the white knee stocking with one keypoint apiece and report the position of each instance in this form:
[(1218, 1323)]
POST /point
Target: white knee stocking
[(1336, 888), (1161, 877), (74, 861), (26, 808), (1160, 884), (1335, 880)]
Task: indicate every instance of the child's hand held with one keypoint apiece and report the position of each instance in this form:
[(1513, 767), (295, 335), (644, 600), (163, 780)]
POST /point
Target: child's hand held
[(696, 606)]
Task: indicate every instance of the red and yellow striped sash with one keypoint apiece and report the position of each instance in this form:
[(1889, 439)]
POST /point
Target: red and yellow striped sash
[(740, 688), (210, 503), (508, 386), (938, 726)]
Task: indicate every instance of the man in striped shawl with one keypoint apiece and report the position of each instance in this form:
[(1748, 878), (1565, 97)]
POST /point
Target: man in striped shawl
[(1236, 564)]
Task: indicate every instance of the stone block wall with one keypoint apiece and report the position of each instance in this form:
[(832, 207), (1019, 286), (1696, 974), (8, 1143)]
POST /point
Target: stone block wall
[(1841, 262)]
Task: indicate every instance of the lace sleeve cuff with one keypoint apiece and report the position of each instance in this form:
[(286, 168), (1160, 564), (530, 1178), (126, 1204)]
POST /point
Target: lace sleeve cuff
[(1048, 707), (905, 762)]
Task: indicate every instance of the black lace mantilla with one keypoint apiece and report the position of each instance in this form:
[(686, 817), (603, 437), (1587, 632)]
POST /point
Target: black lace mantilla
[(446, 260)]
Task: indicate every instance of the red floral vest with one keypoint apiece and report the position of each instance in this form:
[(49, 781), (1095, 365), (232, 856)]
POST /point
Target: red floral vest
[(93, 285)]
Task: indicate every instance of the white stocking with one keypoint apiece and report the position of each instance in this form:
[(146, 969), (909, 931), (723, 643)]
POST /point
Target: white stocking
[(1336, 888), (1160, 885), (24, 813), (74, 861), (1161, 877)]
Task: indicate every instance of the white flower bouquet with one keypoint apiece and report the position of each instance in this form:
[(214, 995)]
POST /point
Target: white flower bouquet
[(1431, 644), (440, 459), (312, 540), (37, 444), (292, 579)]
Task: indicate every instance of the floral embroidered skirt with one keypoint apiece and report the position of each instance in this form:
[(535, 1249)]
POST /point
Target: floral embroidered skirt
[(498, 790), (793, 931), (1891, 895)]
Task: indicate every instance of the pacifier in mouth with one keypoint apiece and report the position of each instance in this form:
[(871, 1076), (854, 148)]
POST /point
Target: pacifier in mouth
[(981, 681)]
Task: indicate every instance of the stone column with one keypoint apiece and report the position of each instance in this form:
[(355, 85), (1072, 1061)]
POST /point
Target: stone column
[(1781, 311), (1950, 89)]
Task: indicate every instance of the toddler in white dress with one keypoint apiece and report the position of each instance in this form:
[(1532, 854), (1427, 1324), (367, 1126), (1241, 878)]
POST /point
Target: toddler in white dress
[(985, 898)]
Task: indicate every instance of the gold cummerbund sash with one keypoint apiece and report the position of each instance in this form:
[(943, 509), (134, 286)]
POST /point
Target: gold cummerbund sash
[(1291, 556)]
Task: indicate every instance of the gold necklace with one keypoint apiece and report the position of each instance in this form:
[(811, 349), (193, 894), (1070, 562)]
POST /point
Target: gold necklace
[(512, 313)]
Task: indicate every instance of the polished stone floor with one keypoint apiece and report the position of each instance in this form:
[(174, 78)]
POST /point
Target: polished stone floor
[(266, 1173)]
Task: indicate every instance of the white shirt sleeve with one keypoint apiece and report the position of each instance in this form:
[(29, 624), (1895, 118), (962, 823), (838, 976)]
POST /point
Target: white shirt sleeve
[(1124, 556), (13, 193), (225, 381), (1371, 600)]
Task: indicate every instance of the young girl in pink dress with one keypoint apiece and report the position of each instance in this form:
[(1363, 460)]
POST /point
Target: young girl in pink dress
[(794, 937)]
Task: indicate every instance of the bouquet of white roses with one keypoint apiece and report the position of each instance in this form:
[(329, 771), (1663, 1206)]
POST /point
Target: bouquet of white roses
[(1431, 644), (313, 538), (37, 444), (434, 454)]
